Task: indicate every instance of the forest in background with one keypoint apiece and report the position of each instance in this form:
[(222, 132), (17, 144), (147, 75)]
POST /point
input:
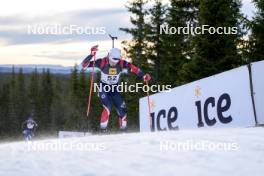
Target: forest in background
[(56, 101), (59, 102)]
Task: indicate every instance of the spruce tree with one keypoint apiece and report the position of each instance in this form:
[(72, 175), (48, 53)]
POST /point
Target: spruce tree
[(13, 121), (137, 47), (34, 95), (22, 103), (82, 103), (257, 36), (74, 113), (4, 109), (215, 53), (177, 46), (156, 47), (58, 108), (46, 94), (83, 94)]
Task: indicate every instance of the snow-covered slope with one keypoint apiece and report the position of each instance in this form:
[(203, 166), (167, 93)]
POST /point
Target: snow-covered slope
[(185, 152)]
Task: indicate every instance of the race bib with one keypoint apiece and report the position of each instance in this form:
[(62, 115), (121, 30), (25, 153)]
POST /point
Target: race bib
[(109, 79)]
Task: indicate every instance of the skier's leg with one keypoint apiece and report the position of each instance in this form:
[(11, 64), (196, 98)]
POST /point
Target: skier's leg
[(30, 134), (27, 135), (105, 99), (121, 110)]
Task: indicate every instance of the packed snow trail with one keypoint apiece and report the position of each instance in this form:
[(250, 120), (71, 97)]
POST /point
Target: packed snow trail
[(140, 154)]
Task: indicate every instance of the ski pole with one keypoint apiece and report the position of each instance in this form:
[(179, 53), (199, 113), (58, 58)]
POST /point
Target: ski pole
[(91, 88), (150, 120)]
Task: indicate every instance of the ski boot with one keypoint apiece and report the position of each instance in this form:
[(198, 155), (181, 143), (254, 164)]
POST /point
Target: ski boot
[(103, 131), (122, 130)]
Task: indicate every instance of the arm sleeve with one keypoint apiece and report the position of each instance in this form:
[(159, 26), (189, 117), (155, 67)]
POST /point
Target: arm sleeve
[(23, 125), (137, 71), (88, 63), (35, 123)]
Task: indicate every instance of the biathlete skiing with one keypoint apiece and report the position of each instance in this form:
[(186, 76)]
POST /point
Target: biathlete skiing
[(29, 126), (111, 68)]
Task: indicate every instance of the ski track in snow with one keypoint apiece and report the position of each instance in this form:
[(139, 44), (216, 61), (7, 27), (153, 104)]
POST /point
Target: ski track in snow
[(140, 154)]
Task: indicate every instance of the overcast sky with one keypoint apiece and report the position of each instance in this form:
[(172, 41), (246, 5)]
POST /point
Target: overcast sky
[(17, 46)]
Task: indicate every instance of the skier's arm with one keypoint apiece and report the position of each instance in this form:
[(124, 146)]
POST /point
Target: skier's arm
[(87, 61), (141, 75), (35, 124), (23, 124)]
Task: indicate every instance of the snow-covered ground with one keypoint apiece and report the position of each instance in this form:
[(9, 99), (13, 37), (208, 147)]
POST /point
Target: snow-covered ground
[(185, 152)]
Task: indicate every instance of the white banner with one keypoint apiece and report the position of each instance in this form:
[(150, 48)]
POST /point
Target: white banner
[(67, 134), (258, 87), (217, 101)]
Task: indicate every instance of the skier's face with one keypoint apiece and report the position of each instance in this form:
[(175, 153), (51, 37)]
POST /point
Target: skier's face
[(113, 62)]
